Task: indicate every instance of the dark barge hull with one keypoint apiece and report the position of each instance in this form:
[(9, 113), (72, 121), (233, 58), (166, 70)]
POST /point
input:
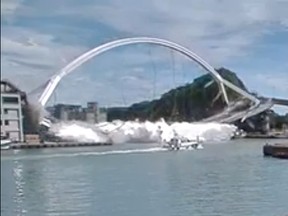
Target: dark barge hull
[(276, 150)]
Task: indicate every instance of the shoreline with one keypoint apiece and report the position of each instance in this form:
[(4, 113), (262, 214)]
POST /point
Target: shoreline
[(66, 144), (266, 136), (57, 145)]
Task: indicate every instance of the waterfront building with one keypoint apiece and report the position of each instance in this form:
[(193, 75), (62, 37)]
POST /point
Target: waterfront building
[(11, 112), (68, 112), (102, 115), (91, 112)]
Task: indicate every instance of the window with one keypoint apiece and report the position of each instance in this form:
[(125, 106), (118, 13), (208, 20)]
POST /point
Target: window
[(13, 100), (1, 122), (12, 112), (6, 122)]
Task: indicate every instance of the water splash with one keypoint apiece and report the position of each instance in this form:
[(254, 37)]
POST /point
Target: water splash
[(142, 132)]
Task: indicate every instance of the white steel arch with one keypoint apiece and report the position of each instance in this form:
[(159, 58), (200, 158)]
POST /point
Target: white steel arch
[(128, 41)]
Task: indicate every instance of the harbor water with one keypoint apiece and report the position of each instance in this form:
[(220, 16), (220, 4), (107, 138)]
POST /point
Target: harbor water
[(231, 178)]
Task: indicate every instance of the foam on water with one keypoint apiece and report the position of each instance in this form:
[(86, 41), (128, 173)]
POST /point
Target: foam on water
[(68, 155), (142, 132)]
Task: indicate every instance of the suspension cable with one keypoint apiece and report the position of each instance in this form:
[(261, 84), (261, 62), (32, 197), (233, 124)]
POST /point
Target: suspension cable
[(174, 108), (154, 73), (154, 69), (173, 68), (121, 85)]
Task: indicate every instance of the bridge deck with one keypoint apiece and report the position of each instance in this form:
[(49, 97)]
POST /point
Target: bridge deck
[(226, 117), (277, 101)]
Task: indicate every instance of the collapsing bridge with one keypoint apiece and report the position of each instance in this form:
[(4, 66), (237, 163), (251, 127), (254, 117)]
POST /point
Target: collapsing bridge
[(256, 106)]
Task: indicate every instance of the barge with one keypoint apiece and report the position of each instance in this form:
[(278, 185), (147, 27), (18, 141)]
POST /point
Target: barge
[(276, 150)]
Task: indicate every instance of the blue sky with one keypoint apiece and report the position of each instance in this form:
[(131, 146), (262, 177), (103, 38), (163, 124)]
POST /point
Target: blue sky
[(40, 37)]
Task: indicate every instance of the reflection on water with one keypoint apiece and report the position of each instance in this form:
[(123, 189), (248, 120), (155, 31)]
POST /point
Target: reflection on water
[(19, 183), (223, 179)]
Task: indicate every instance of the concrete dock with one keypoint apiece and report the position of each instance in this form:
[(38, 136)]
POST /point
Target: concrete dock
[(55, 145), (267, 136), (260, 136)]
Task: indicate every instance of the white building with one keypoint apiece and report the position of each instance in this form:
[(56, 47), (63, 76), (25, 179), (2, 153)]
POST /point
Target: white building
[(11, 112)]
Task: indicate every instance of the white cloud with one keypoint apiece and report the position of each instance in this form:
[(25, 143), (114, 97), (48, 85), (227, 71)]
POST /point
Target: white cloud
[(29, 58), (8, 7), (217, 30), (230, 26)]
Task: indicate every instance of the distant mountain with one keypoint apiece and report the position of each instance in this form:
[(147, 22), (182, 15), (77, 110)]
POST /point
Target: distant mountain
[(191, 102)]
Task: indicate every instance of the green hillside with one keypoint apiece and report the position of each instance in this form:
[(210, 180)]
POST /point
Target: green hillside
[(191, 102)]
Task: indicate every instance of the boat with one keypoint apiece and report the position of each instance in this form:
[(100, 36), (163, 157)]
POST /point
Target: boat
[(5, 143), (180, 144)]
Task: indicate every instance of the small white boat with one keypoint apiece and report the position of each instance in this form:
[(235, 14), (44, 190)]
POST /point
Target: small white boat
[(178, 144), (5, 143)]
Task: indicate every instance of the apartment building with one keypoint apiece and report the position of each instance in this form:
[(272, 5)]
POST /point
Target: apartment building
[(11, 112)]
